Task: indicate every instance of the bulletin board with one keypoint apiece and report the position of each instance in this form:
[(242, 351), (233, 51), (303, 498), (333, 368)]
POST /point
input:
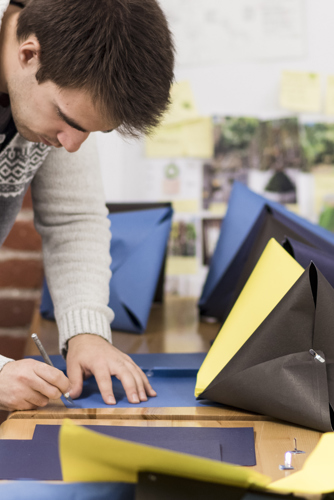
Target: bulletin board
[(266, 61)]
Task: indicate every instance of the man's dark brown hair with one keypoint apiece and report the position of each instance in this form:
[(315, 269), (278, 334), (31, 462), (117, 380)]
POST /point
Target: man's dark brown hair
[(120, 51)]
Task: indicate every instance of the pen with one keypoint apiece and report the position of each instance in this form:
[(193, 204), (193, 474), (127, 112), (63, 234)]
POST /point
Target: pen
[(48, 361)]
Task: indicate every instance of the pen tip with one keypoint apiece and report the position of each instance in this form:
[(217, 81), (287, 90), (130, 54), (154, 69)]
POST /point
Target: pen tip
[(33, 336)]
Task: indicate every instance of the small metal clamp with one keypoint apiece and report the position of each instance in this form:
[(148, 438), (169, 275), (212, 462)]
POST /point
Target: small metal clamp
[(295, 451), (287, 462), (316, 356)]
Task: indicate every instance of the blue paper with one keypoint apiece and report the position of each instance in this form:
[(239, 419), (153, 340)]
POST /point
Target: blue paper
[(26, 459), (34, 490), (172, 375), (38, 458), (138, 248), (233, 445), (244, 218), (305, 254)]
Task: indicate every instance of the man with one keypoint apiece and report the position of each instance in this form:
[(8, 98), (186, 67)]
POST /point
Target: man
[(69, 68)]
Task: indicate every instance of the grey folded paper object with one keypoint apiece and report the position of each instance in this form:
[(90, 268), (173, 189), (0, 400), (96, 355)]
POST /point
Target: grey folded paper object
[(286, 368)]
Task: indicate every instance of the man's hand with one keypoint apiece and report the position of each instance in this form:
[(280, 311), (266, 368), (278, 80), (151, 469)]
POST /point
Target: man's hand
[(92, 355), (28, 384)]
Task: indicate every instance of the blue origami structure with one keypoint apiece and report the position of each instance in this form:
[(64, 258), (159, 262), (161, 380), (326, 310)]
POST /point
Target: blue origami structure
[(138, 249), (250, 222)]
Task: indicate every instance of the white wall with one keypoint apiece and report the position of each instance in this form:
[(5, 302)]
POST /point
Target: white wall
[(249, 87)]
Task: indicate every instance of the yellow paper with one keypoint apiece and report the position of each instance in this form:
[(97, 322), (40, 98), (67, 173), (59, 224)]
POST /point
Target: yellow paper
[(300, 91), (183, 206), (218, 208), (183, 106), (180, 264), (190, 138), (272, 277), (329, 106), (316, 476), (88, 456)]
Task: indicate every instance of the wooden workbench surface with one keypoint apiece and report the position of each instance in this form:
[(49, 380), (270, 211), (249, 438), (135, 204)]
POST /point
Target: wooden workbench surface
[(272, 439)]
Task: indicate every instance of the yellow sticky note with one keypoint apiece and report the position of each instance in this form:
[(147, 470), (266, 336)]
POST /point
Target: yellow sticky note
[(183, 106), (88, 456), (300, 91), (190, 138), (316, 476), (329, 105), (186, 206), (180, 264), (272, 277)]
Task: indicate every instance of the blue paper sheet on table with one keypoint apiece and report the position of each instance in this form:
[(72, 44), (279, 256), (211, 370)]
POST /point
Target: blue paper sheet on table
[(34, 490), (172, 375), (250, 222), (138, 249), (38, 458)]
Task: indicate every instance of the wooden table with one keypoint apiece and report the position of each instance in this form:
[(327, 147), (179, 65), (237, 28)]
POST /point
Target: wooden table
[(172, 327), (272, 439)]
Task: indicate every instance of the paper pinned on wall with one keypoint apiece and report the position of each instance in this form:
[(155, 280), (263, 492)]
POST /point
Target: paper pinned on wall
[(220, 30), (181, 265), (300, 91), (189, 138), (183, 106), (89, 456), (183, 131), (323, 188), (177, 180), (329, 103)]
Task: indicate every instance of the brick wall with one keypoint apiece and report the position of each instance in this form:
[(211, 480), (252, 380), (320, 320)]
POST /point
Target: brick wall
[(21, 276)]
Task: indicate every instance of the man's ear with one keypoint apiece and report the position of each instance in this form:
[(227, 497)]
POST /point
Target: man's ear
[(29, 53)]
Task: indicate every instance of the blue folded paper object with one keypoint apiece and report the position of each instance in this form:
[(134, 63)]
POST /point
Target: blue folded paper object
[(138, 249), (250, 222)]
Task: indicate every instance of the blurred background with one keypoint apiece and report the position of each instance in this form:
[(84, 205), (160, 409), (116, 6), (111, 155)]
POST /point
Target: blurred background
[(253, 101)]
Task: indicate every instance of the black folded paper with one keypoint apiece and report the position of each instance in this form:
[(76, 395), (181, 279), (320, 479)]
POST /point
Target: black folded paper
[(279, 370)]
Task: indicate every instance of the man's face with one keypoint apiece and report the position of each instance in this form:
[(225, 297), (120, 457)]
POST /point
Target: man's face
[(56, 117)]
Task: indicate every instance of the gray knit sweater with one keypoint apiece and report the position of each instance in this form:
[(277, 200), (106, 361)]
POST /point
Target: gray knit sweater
[(70, 215)]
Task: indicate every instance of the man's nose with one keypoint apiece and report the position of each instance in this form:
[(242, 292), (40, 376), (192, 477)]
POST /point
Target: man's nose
[(72, 139)]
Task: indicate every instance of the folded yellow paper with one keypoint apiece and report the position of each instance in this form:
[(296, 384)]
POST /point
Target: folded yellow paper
[(272, 277), (88, 456), (316, 476)]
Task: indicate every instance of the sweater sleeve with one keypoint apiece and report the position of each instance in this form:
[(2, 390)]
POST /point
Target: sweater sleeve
[(4, 361), (71, 216)]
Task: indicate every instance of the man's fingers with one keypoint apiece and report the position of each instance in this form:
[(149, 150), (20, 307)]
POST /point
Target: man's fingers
[(104, 382), (36, 399), (148, 389), (75, 375), (98, 357), (50, 381), (27, 400), (129, 383), (140, 377)]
